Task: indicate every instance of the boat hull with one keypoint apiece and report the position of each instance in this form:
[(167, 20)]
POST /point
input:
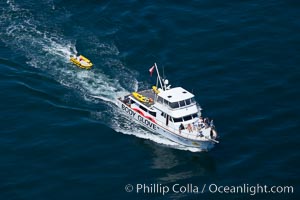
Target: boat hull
[(155, 128)]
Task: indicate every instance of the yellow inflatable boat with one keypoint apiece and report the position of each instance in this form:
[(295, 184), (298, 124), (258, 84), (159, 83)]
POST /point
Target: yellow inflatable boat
[(140, 97), (81, 62)]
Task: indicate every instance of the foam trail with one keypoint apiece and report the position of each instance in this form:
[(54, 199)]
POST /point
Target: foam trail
[(49, 51)]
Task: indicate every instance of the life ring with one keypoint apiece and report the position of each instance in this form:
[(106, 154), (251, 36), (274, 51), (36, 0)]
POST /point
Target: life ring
[(213, 134)]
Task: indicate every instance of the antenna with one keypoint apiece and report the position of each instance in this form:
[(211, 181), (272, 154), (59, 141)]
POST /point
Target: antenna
[(159, 78), (164, 72)]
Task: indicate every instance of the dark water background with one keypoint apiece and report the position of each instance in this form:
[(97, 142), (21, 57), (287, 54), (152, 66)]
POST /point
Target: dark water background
[(240, 58)]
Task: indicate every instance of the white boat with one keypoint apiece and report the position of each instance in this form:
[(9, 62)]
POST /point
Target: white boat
[(170, 112)]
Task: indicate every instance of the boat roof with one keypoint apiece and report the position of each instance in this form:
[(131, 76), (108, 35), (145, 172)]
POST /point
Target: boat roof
[(175, 94)]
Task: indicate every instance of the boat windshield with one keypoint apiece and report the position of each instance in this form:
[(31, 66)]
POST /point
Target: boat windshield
[(175, 105), (182, 103)]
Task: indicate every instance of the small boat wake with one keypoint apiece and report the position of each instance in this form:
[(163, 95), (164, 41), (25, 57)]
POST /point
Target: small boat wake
[(49, 52)]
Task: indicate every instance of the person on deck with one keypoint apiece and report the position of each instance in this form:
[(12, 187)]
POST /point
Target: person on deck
[(181, 127), (195, 125), (189, 127), (201, 120), (211, 123)]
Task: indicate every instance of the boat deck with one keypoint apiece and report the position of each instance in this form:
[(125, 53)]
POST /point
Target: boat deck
[(146, 93)]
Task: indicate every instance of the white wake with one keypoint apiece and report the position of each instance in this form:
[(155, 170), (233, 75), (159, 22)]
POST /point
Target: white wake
[(48, 50)]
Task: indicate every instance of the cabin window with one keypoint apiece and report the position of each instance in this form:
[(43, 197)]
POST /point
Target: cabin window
[(171, 118), (195, 115), (166, 102), (159, 99), (152, 113), (187, 118), (188, 101), (181, 103), (177, 120), (143, 108), (174, 105)]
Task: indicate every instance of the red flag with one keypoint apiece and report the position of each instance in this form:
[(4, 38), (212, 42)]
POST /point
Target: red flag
[(151, 70)]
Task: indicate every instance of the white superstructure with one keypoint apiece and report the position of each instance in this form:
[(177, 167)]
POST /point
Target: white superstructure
[(171, 112)]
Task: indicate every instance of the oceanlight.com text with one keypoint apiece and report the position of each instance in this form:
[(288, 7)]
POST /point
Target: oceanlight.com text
[(213, 188), (250, 189)]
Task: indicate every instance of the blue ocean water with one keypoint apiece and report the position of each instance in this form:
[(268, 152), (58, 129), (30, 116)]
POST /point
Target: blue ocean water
[(240, 58)]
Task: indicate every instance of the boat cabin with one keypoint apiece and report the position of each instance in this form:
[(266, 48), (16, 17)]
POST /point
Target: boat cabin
[(168, 108), (177, 105)]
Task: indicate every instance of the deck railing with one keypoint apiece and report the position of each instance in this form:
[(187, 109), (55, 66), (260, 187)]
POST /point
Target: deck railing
[(194, 134)]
